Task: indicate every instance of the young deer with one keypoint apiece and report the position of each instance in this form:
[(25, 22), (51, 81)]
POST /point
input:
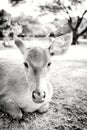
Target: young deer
[(26, 85)]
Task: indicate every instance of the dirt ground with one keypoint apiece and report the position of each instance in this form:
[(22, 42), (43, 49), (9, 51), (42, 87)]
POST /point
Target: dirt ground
[(68, 107)]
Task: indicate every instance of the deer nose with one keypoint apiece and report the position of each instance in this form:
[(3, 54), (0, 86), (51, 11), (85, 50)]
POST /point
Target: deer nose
[(38, 97)]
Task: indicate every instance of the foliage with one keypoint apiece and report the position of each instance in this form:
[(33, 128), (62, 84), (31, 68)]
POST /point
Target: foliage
[(51, 8), (15, 2), (23, 26), (76, 1), (8, 27), (5, 22), (28, 26)]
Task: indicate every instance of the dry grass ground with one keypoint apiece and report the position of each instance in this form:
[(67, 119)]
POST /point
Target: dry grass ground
[(68, 108)]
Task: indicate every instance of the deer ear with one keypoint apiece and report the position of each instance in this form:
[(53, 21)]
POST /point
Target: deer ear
[(61, 44), (20, 45)]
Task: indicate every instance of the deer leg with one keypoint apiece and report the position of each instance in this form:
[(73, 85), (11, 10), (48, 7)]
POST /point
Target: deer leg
[(44, 108), (9, 106)]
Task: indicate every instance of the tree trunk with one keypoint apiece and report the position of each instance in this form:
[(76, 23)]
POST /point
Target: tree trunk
[(75, 38)]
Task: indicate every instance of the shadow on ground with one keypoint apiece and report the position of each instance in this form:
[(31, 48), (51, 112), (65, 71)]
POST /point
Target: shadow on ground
[(68, 108)]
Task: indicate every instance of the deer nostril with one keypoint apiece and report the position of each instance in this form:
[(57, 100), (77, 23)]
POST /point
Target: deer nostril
[(44, 95), (33, 95), (36, 94)]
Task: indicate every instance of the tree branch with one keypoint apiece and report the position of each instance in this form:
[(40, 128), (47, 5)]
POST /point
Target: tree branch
[(82, 32), (70, 19), (70, 23), (79, 20)]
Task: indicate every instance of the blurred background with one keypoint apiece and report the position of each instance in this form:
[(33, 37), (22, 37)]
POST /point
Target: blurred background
[(42, 18)]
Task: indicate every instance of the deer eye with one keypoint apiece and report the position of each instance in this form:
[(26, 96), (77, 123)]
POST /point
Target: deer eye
[(26, 65), (49, 64)]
